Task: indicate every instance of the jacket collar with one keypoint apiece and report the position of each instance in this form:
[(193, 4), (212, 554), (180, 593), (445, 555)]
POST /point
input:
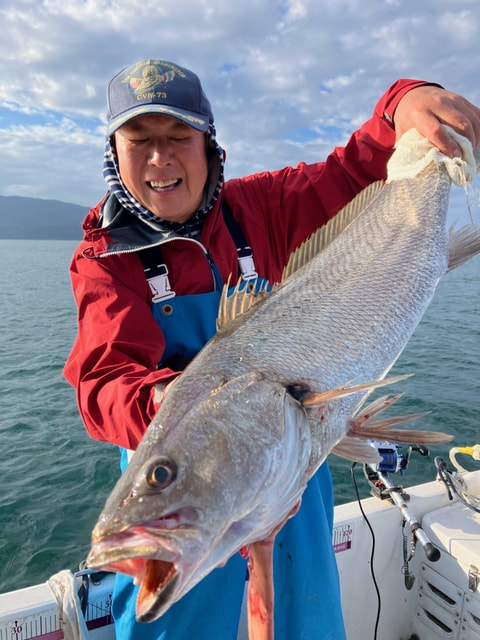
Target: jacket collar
[(111, 229)]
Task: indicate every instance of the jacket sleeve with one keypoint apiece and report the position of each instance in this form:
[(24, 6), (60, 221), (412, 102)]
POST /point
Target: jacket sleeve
[(294, 202), (364, 158), (113, 362)]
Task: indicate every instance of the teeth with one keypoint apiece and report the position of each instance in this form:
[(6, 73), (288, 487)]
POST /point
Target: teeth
[(162, 184)]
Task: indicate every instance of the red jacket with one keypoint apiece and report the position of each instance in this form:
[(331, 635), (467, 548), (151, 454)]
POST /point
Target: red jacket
[(113, 363)]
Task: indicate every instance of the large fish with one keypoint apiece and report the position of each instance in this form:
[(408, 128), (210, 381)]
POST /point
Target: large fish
[(282, 384)]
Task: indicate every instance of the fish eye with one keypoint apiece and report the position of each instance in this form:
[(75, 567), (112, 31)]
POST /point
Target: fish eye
[(161, 473)]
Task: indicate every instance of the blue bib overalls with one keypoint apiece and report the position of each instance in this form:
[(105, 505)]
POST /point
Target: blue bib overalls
[(307, 599)]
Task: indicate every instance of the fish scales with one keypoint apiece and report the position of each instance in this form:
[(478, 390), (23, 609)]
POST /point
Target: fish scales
[(228, 454), (352, 288), (329, 325)]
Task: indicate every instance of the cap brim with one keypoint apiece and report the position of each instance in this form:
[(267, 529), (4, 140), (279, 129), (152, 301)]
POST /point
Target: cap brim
[(194, 120)]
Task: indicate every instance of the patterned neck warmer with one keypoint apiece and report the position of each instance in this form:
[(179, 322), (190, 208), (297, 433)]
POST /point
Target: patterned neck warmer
[(192, 227)]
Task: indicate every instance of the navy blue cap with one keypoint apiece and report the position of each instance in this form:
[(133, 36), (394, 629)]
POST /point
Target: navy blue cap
[(156, 86)]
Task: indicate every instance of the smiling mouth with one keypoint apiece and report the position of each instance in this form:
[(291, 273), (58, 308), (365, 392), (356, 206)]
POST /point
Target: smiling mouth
[(164, 185)]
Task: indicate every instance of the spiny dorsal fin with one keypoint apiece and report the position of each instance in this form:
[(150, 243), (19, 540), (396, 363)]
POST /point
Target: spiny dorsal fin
[(241, 300), (334, 227)]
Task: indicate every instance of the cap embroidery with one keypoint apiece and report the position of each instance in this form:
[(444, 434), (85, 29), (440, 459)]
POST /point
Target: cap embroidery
[(147, 85)]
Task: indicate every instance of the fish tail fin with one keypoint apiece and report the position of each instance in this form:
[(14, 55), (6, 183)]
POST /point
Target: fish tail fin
[(463, 244)]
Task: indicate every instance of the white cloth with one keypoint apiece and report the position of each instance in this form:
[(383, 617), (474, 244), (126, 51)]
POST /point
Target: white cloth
[(413, 153), (64, 588)]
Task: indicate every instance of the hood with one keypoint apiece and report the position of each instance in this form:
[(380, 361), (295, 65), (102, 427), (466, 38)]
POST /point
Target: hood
[(124, 225)]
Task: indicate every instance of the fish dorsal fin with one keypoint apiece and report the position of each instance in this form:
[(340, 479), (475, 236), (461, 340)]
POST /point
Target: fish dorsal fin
[(241, 300), (334, 227)]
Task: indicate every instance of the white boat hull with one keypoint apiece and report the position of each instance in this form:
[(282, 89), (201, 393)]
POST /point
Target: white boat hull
[(442, 603)]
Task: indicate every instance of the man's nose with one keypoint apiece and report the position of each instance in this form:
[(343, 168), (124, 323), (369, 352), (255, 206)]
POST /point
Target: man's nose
[(160, 153)]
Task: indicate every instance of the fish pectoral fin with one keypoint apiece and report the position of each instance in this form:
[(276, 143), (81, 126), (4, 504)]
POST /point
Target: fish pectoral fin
[(362, 425), (313, 399), (356, 450)]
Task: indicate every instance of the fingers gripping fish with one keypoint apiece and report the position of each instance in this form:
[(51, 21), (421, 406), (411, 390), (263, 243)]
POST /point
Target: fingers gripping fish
[(251, 419)]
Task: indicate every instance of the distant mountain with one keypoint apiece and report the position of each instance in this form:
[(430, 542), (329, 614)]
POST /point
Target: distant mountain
[(37, 219)]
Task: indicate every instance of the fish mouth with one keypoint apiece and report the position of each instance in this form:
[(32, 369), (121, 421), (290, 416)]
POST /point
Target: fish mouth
[(150, 554), (157, 581)]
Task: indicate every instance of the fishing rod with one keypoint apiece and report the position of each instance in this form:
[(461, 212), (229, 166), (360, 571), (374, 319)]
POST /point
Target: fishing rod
[(377, 474), (394, 461)]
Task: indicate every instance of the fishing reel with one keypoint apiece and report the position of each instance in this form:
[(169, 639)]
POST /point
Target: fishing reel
[(393, 460)]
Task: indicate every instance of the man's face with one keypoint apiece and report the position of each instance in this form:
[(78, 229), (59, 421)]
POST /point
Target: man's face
[(163, 163)]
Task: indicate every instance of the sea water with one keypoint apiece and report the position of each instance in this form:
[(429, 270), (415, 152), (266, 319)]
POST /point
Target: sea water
[(54, 479)]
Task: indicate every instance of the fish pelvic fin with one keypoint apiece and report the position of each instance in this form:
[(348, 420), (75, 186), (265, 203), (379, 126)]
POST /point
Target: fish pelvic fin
[(334, 227), (356, 450), (463, 244)]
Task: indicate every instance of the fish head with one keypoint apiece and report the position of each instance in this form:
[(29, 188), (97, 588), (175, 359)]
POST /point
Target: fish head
[(214, 472)]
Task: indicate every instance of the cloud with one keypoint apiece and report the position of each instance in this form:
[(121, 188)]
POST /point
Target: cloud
[(59, 161), (288, 79)]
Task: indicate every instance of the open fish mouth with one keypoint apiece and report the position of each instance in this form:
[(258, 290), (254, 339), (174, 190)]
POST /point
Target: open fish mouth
[(149, 555), (156, 579)]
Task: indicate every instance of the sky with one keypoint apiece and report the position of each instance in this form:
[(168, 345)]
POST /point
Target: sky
[(288, 79)]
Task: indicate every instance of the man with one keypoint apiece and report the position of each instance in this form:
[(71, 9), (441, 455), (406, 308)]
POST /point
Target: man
[(147, 279)]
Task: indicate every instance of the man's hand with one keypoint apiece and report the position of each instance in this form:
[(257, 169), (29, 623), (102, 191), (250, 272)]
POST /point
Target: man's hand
[(161, 391), (427, 108)]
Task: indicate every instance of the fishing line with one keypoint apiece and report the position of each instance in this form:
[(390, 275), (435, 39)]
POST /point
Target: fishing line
[(456, 485), (471, 191), (374, 580)]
